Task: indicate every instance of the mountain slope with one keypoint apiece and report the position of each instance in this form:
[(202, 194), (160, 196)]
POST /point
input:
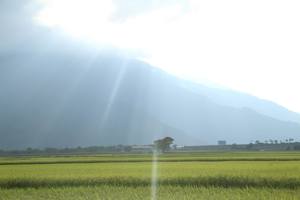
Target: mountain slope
[(241, 100), (67, 100)]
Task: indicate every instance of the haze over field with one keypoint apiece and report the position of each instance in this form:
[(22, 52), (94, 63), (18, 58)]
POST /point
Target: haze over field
[(121, 74)]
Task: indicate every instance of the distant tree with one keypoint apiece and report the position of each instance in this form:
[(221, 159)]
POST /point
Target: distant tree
[(297, 147), (266, 141), (234, 146), (127, 148), (276, 141), (257, 142), (29, 150), (249, 146), (163, 144), (291, 140), (286, 140)]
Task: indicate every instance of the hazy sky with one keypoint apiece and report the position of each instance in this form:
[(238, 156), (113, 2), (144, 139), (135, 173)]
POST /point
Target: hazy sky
[(252, 46)]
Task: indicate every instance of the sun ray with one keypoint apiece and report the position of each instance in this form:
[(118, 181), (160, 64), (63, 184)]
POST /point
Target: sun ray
[(113, 94)]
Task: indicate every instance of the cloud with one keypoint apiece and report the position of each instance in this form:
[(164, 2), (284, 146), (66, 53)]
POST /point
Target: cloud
[(119, 24), (21, 35), (134, 8)]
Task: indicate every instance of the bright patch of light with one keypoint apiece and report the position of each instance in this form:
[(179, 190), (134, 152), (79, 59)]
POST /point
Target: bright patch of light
[(252, 46), (94, 20), (154, 176), (80, 18)]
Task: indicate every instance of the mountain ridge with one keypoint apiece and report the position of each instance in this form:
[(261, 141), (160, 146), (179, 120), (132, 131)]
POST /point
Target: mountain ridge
[(104, 100)]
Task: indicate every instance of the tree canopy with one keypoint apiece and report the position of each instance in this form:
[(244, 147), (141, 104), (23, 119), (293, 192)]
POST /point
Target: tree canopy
[(163, 144)]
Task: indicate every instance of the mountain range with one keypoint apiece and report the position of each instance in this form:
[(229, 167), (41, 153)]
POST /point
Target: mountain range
[(67, 100)]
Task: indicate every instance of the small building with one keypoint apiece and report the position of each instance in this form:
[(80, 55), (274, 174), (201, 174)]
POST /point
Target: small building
[(222, 142)]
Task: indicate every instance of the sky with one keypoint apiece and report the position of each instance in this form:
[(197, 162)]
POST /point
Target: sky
[(250, 46)]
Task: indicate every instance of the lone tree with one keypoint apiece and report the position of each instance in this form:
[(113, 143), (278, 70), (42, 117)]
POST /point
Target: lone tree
[(163, 144)]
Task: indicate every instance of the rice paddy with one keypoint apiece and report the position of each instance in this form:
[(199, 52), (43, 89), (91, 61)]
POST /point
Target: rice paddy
[(206, 175)]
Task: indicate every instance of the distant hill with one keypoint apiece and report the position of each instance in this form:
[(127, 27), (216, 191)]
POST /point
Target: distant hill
[(241, 100), (69, 100)]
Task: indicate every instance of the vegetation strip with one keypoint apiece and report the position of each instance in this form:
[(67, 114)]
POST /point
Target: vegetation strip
[(221, 181), (146, 160)]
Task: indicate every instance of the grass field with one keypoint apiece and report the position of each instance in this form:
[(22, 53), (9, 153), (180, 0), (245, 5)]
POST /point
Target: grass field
[(207, 175)]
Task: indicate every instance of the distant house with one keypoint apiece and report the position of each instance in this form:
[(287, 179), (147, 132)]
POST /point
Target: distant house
[(221, 142)]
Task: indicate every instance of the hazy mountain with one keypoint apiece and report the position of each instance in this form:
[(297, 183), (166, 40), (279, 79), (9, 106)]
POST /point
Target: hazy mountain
[(241, 100), (70, 100)]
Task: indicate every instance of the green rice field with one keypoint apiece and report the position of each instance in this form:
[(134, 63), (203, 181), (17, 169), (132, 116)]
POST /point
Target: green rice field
[(199, 175)]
